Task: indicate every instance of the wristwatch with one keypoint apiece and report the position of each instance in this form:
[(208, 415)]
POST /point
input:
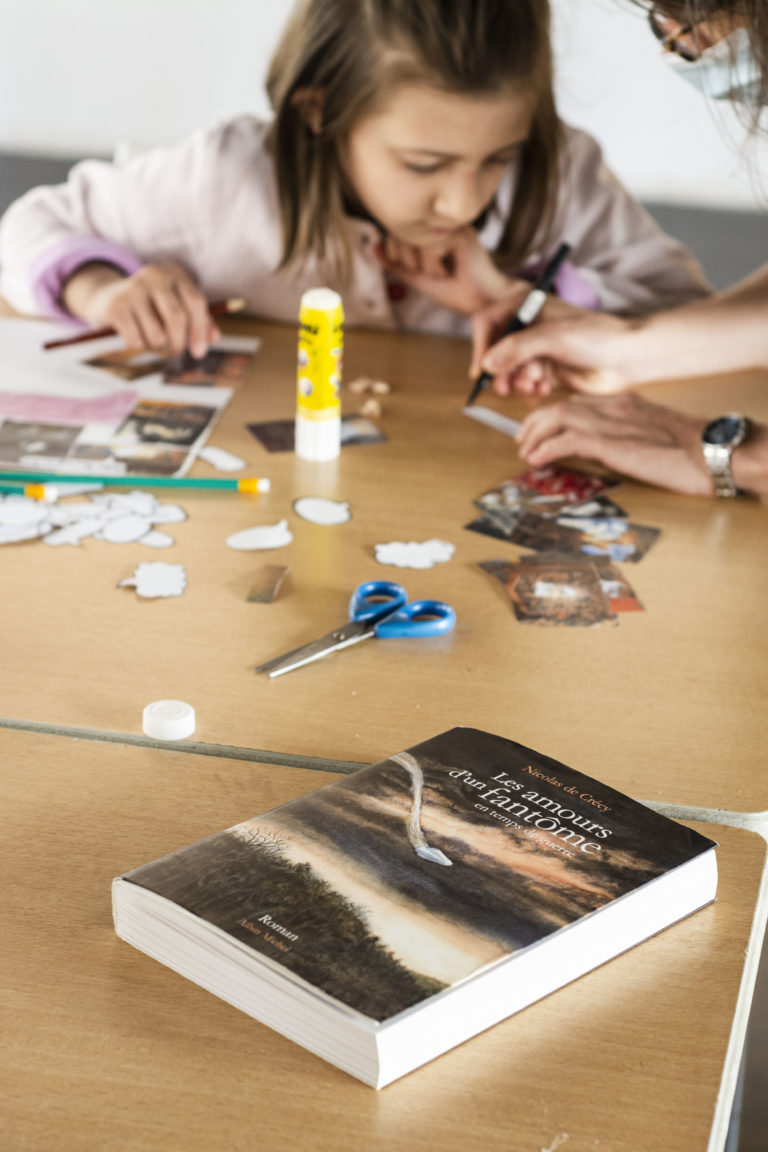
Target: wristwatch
[(718, 441)]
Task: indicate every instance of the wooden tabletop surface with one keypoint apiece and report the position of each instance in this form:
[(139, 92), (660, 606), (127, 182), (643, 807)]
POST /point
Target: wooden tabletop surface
[(104, 1048), (667, 705)]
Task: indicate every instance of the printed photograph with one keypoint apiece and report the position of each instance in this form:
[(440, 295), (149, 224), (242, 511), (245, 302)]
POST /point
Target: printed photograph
[(129, 363), (217, 368), (161, 421), (23, 440), (544, 491), (278, 435), (565, 590)]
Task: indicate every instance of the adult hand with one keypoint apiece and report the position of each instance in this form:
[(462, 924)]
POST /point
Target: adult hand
[(159, 307), (585, 351), (645, 441), (459, 274)]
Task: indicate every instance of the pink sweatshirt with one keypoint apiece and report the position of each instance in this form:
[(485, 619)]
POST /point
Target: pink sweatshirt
[(210, 204)]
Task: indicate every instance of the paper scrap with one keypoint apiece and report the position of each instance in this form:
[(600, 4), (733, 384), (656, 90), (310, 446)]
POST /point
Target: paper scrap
[(267, 586), (319, 510), (155, 539), (493, 419), (157, 579), (221, 459), (262, 536), (115, 517), (125, 529), (415, 554)]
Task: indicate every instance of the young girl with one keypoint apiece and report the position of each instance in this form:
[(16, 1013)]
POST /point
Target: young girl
[(415, 162)]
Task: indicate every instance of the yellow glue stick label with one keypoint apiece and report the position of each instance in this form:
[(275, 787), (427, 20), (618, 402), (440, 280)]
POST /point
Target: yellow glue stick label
[(321, 317)]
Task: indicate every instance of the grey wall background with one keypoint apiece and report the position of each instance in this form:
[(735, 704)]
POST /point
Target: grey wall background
[(77, 76)]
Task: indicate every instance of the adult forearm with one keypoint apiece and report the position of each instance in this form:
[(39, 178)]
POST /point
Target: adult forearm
[(726, 332)]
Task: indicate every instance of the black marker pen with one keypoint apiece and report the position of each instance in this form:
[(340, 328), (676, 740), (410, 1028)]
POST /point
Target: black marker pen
[(527, 312)]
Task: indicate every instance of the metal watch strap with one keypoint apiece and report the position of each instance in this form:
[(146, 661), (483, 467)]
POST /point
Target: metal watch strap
[(718, 457)]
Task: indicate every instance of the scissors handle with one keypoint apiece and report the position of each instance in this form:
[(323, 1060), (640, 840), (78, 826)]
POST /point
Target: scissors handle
[(421, 618), (375, 599)]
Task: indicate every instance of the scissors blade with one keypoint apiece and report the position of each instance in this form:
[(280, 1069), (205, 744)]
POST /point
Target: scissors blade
[(343, 637)]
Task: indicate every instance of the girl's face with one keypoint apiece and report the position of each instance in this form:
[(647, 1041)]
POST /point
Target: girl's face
[(428, 162)]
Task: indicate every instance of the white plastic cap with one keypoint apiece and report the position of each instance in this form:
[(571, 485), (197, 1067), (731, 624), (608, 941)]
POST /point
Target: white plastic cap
[(168, 720), (321, 299), (318, 439)]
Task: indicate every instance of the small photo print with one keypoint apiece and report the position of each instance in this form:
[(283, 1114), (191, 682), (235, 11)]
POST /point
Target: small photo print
[(217, 368), (360, 430), (20, 440), (278, 435), (274, 435), (621, 595), (568, 592), (151, 459), (129, 363), (545, 491), (158, 421), (612, 536)]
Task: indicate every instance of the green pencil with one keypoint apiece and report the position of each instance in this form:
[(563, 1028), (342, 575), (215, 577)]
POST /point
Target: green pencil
[(33, 483)]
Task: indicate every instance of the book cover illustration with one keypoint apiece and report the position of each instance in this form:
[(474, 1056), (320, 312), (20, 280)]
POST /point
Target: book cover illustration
[(405, 878)]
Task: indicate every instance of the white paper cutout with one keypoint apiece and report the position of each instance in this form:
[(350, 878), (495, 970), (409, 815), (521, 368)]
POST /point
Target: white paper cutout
[(22, 510), (263, 536), (415, 554), (125, 529), (155, 539), (168, 514), (16, 533), (157, 579), (73, 533), (221, 459), (115, 517), (319, 510), (493, 419)]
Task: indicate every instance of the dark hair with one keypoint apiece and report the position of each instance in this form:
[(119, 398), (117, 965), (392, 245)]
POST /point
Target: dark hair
[(357, 51), (750, 14)]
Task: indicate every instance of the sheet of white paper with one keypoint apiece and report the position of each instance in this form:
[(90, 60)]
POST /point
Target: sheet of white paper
[(493, 419), (84, 417), (415, 554)]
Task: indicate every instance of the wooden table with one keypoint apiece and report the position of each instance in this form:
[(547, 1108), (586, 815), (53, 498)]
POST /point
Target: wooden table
[(666, 706), (104, 1048), (107, 1049)]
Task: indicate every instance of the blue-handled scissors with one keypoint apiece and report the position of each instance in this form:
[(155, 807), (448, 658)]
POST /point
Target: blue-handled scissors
[(376, 608)]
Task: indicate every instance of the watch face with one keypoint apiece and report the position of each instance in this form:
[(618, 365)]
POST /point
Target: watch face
[(724, 430)]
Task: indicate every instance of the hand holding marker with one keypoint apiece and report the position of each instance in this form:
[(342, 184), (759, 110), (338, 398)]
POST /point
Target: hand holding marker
[(527, 312)]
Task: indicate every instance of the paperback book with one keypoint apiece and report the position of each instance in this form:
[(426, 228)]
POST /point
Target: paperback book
[(394, 913)]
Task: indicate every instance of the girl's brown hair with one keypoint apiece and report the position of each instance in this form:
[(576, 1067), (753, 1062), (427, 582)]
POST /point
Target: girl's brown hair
[(356, 52)]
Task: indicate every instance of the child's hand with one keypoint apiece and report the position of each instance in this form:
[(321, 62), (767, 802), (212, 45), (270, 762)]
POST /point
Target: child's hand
[(532, 375), (159, 307), (460, 274)]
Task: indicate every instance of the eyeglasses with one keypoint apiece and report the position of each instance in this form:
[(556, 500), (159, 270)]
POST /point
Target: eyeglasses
[(673, 36)]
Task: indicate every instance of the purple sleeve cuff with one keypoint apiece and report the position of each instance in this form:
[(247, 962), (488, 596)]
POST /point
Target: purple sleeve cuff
[(50, 271), (570, 285)]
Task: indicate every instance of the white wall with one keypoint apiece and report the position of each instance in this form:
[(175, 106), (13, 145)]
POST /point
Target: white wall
[(78, 75)]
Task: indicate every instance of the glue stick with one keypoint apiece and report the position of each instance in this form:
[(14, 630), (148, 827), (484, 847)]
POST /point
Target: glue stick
[(318, 408)]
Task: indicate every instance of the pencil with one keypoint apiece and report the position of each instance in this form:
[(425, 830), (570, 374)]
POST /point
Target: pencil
[(32, 483), (526, 313), (219, 308)]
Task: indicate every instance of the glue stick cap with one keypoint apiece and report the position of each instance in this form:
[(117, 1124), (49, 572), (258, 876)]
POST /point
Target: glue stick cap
[(168, 720)]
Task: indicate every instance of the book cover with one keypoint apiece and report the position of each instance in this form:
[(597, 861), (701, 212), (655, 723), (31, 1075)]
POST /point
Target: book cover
[(388, 888)]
